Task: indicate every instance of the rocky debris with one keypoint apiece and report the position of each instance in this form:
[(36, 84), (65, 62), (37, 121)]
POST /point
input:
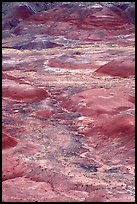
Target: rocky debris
[(90, 168), (117, 169), (68, 103)]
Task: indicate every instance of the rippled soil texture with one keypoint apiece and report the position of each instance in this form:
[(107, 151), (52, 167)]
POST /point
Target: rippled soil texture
[(68, 107)]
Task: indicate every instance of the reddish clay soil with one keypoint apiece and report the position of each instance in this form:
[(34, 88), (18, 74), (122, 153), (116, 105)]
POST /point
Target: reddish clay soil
[(68, 107)]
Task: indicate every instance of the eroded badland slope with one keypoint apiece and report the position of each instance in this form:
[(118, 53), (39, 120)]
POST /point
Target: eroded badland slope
[(68, 102)]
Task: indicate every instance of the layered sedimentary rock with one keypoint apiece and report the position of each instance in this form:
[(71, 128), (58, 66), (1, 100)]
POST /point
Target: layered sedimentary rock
[(68, 102)]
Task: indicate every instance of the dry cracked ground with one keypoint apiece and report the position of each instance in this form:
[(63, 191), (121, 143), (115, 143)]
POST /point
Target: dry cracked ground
[(68, 104)]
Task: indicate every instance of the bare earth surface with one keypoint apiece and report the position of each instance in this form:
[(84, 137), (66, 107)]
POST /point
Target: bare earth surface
[(68, 107)]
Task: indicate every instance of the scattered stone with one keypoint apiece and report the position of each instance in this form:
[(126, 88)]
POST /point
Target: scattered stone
[(87, 167), (119, 169)]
